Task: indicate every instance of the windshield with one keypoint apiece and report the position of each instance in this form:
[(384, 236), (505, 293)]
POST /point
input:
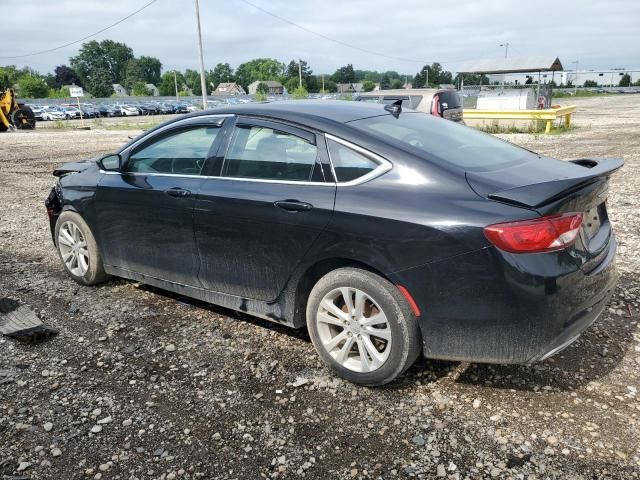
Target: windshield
[(463, 147)]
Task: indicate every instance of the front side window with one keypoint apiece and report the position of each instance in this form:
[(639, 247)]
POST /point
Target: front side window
[(347, 163), (267, 154), (183, 152)]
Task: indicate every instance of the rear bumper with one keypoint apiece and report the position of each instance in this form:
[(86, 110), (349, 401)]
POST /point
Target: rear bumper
[(494, 307)]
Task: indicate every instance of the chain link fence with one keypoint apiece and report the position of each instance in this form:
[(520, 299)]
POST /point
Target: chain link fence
[(506, 97)]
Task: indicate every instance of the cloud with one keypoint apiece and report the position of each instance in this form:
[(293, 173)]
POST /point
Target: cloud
[(598, 34)]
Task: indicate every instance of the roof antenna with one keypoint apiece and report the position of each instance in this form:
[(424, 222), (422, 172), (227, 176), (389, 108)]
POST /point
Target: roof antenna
[(394, 108)]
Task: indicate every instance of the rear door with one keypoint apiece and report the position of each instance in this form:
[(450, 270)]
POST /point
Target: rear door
[(145, 211), (257, 218)]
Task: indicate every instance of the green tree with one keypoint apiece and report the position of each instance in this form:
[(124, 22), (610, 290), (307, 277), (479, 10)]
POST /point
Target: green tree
[(33, 87), (385, 83), (139, 89), (13, 74), (368, 85), (590, 83), (258, 69), (167, 83), (344, 75), (292, 84), (262, 88), (221, 73), (397, 83), (149, 69), (625, 80), (101, 64), (329, 86), (192, 79)]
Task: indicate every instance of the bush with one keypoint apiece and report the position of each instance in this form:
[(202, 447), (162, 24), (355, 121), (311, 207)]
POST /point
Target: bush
[(300, 93), (368, 85), (260, 97), (625, 80), (590, 83), (140, 89)]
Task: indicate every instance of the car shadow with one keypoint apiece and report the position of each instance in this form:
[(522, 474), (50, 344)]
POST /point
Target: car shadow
[(590, 358)]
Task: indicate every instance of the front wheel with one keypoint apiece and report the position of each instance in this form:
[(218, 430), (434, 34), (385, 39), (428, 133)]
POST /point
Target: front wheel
[(78, 250), (362, 326)]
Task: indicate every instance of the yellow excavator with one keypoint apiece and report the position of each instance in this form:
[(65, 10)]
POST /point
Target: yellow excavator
[(14, 114)]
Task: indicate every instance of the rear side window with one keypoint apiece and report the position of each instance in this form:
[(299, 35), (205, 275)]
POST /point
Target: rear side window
[(268, 154), (183, 152), (347, 163), (451, 98), (447, 141)]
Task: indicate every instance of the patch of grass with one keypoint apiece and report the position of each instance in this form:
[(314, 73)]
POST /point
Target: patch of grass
[(132, 126), (533, 128), (579, 93), (59, 124)]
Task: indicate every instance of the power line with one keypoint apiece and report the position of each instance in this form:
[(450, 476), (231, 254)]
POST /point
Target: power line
[(84, 38), (340, 42)]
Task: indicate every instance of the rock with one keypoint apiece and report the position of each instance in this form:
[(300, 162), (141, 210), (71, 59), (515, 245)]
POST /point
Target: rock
[(48, 427), (418, 440), (170, 348), (158, 452), (217, 436), (96, 429), (441, 471), (23, 466), (105, 420), (476, 403), (551, 440), (300, 381), (127, 423), (56, 452)]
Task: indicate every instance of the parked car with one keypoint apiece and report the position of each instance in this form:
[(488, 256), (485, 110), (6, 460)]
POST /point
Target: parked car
[(443, 102), (385, 232), (128, 110), (53, 113), (37, 112), (70, 111)]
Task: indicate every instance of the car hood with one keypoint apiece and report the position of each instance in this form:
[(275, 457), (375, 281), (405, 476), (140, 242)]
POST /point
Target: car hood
[(74, 167)]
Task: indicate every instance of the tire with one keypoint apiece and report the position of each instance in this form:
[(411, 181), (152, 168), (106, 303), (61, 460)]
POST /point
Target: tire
[(74, 237), (392, 357), (23, 119)]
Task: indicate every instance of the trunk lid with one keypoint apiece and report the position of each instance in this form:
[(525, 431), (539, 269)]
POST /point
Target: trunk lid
[(548, 186)]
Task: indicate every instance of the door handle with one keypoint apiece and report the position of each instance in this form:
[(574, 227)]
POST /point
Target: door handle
[(178, 192), (293, 205)]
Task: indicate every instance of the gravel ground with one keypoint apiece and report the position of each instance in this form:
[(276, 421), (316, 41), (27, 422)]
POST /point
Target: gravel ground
[(141, 384)]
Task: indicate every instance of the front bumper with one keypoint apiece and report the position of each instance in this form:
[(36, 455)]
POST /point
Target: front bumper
[(494, 307)]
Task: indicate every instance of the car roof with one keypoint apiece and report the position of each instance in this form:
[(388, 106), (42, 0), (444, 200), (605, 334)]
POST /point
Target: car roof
[(304, 111)]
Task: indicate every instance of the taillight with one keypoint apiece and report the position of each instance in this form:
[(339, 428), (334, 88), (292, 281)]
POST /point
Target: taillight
[(542, 234)]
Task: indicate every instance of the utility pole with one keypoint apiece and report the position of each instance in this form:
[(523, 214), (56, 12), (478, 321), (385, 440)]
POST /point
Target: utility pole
[(575, 80), (506, 49), (175, 82), (203, 82), (300, 73), (323, 84)]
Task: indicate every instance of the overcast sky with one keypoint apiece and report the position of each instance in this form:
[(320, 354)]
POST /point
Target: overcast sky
[(600, 34)]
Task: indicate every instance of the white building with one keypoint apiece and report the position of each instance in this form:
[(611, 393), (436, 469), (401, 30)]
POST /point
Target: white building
[(604, 78)]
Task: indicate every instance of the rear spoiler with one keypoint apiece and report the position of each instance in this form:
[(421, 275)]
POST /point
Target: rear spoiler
[(540, 194)]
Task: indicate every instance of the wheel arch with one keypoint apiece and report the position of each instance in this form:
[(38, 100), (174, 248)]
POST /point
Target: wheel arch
[(310, 275)]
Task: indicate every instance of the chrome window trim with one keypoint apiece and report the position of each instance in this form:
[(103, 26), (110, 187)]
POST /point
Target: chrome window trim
[(210, 177), (384, 165)]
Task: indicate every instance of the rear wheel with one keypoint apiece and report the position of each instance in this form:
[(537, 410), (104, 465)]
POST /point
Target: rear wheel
[(362, 326), (78, 250), (23, 118)]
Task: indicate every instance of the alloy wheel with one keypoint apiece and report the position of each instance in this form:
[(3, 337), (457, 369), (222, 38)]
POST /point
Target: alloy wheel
[(73, 249), (354, 330)]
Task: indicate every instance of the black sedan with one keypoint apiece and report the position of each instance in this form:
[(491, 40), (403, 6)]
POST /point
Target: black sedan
[(387, 233)]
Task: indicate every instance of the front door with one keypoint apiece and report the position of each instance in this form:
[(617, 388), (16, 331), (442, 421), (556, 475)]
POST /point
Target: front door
[(255, 222), (145, 211)]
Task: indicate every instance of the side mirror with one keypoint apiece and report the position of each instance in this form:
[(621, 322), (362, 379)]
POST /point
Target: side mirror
[(111, 163)]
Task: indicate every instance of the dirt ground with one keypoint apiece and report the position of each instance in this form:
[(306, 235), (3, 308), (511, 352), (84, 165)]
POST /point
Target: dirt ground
[(140, 384)]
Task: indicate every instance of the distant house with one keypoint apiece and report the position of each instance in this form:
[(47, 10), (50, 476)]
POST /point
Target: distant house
[(275, 88), (231, 88), (153, 90), (349, 87), (119, 90)]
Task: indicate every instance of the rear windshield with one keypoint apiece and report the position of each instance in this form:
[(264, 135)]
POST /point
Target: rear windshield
[(451, 98), (461, 146)]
